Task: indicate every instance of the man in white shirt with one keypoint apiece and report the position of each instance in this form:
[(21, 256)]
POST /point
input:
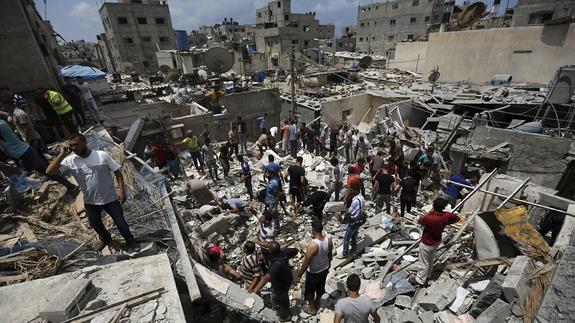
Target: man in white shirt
[(92, 170), (355, 308), (89, 100)]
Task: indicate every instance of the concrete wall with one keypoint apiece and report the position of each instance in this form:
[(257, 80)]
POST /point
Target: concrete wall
[(248, 105), (358, 104), (409, 56), (410, 116), (23, 64), (524, 8), (540, 157), (529, 54)]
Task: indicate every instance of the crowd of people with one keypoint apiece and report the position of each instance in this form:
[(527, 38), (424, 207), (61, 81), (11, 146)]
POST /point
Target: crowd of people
[(355, 164), (395, 184)]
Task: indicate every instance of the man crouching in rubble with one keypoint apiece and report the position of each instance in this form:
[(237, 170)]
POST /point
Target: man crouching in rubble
[(91, 169), (435, 222)]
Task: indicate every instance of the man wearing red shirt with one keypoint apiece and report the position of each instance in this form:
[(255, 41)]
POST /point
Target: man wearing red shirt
[(435, 222)]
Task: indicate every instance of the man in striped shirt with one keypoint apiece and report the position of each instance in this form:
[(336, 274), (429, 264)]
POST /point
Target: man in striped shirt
[(250, 268)]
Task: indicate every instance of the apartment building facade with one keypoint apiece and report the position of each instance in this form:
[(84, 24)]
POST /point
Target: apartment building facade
[(278, 29), (381, 25), (134, 31)]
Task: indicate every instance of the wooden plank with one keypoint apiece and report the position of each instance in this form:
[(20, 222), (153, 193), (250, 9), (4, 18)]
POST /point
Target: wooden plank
[(27, 232), (119, 314), (16, 253), (12, 279)]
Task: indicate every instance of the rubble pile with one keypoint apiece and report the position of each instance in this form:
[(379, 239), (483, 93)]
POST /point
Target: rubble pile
[(462, 287)]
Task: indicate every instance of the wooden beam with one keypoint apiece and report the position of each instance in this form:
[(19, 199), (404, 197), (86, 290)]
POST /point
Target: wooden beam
[(14, 278)]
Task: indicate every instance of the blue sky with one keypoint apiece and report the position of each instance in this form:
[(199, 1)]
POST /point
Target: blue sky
[(79, 19)]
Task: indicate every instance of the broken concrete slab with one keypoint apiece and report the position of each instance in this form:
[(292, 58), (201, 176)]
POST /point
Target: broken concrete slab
[(409, 316), (438, 296), (427, 316), (558, 303), (334, 207), (233, 296), (492, 292), (403, 301), (367, 272), (218, 224), (498, 312), (68, 301), (459, 302), (516, 283)]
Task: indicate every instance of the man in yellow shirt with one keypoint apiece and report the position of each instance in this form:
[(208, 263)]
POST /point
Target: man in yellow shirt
[(193, 145), (214, 96), (63, 110)]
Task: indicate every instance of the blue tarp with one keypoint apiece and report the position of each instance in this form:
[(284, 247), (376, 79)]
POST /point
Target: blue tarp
[(86, 72)]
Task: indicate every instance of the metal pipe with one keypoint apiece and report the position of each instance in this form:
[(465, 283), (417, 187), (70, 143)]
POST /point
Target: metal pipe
[(515, 191), (475, 189), (514, 199), (292, 68)]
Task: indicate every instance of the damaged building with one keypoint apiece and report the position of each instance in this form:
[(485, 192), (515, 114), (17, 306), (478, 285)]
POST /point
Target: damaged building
[(505, 147)]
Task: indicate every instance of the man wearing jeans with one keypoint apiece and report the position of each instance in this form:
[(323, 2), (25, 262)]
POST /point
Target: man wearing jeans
[(89, 100), (16, 149), (191, 142), (242, 131), (281, 277), (293, 139), (92, 170), (335, 179), (435, 222), (355, 221), (383, 188)]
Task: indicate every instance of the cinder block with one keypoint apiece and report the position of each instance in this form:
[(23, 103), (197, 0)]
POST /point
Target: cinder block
[(217, 224), (68, 301), (498, 312), (516, 283), (439, 296)]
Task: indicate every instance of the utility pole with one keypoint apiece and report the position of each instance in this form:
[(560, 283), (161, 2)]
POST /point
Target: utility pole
[(292, 67)]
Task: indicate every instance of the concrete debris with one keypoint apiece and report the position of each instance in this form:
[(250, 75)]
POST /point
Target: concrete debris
[(438, 296), (492, 292), (385, 125), (498, 312), (68, 301), (516, 283)]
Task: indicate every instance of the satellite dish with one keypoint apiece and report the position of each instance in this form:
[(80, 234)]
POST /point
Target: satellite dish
[(434, 76), (127, 67), (365, 62), (164, 68), (219, 60), (313, 55), (172, 74), (203, 74), (471, 14)]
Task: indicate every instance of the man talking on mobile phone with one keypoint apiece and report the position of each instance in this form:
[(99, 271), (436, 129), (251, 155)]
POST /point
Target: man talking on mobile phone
[(93, 170)]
